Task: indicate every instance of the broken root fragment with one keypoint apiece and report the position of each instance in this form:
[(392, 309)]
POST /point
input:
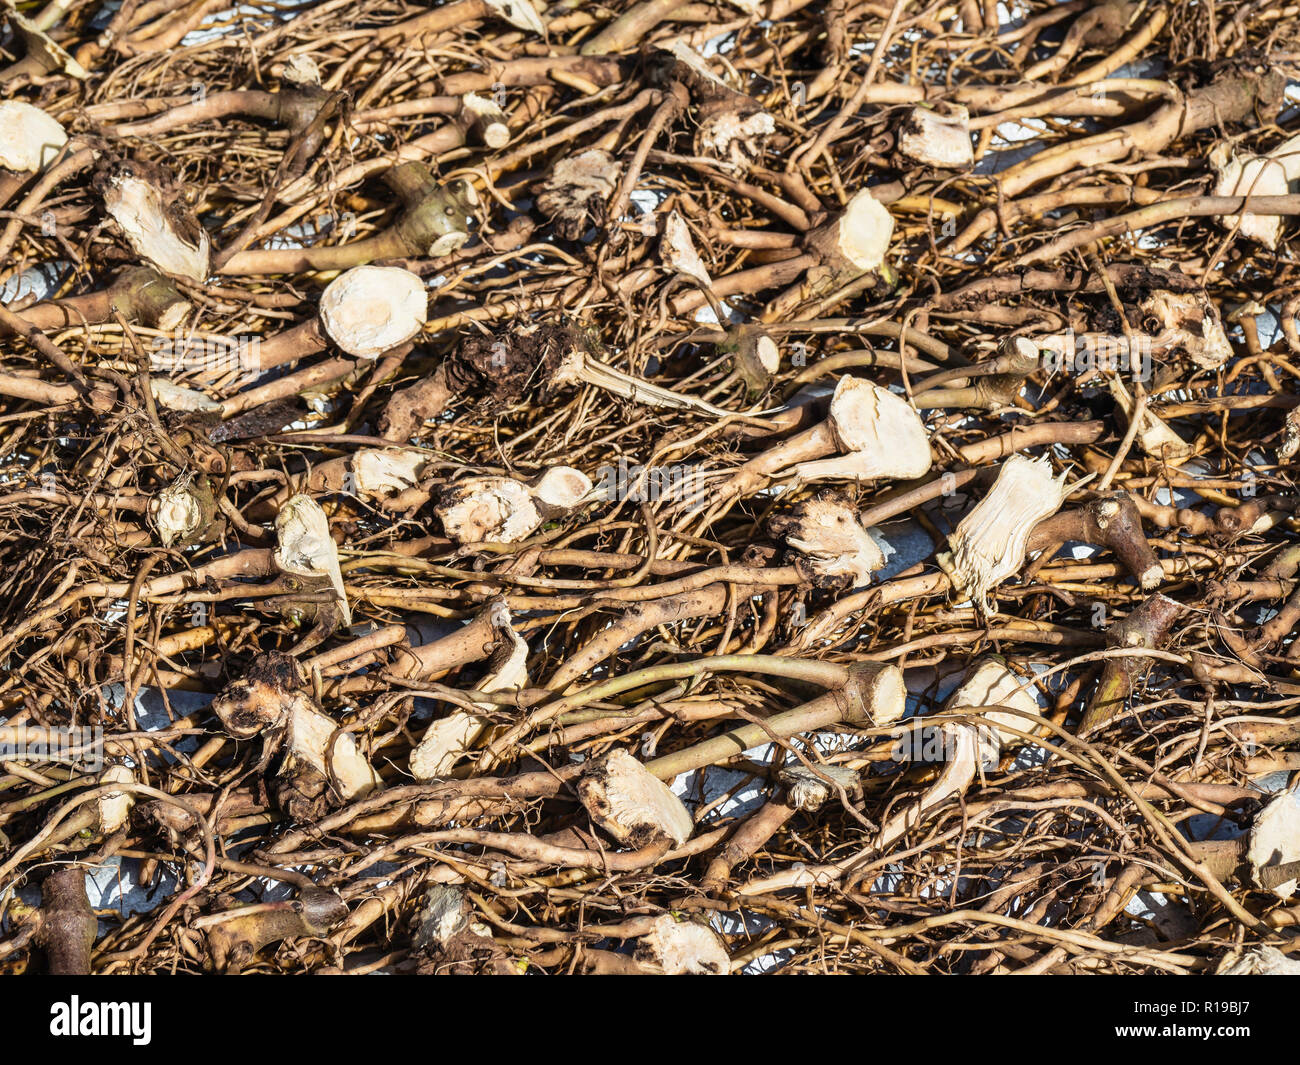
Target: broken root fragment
[(988, 545), (632, 805), (372, 309)]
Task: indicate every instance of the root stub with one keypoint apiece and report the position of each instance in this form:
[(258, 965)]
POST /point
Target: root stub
[(372, 309), (632, 805)]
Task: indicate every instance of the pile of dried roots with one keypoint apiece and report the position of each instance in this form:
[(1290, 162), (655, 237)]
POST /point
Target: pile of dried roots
[(649, 486)]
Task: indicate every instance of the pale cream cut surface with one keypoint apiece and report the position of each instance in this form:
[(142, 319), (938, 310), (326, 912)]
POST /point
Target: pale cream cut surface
[(864, 232), (496, 131), (173, 315), (447, 740), (683, 948), (175, 397), (562, 486), (626, 799), (176, 512), (888, 701), (448, 243), (1275, 839), (519, 13), (866, 417), (1191, 322), (29, 138), (369, 310), (45, 44), (938, 140), (137, 207), (727, 134), (808, 791), (1256, 175), (1286, 451), (1261, 961), (835, 542), (991, 683), (880, 432), (488, 510), (301, 69), (307, 738), (685, 54), (304, 546), (115, 806), (379, 472), (965, 750), (732, 138), (443, 744), (988, 545)]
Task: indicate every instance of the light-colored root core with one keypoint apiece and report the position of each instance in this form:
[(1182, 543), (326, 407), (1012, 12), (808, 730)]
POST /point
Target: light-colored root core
[(138, 208), (29, 138), (381, 472), (991, 683), (878, 432), (631, 804), (857, 240), (369, 310), (487, 120), (305, 547), (307, 740), (115, 806), (1191, 323), (562, 487), (448, 739), (176, 512), (938, 138), (488, 510), (1256, 175), (677, 251), (1275, 840), (808, 790), (682, 948), (988, 545), (175, 397), (1259, 961), (521, 14), (884, 699), (965, 750), (831, 541)]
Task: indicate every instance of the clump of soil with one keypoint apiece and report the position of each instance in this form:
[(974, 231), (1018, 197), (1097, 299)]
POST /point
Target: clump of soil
[(502, 369)]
